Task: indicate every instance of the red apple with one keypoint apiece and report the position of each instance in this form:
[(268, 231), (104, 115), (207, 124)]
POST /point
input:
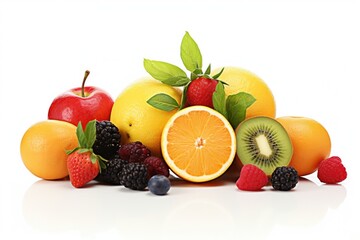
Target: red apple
[(82, 104)]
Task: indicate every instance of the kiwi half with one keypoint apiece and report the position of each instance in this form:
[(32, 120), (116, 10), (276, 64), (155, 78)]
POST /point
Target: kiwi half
[(264, 142)]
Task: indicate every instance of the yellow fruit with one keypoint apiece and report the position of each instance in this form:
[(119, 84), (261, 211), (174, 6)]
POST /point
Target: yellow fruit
[(136, 119), (241, 80), (311, 143), (198, 144), (43, 148)]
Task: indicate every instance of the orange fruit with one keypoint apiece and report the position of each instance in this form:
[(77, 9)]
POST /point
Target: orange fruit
[(311, 143), (43, 148), (241, 80), (198, 144)]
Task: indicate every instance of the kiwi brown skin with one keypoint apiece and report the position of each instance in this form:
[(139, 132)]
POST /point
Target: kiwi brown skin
[(278, 141)]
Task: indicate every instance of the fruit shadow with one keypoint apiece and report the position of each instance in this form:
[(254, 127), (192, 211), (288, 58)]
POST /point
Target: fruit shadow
[(221, 181)]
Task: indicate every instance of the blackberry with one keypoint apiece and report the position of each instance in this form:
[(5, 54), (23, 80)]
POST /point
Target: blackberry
[(134, 152), (110, 174), (134, 175), (284, 178), (107, 139)]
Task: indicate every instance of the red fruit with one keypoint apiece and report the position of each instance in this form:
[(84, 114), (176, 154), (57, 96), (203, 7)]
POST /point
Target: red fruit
[(251, 178), (200, 92), (134, 152), (156, 166), (81, 169), (331, 171), (81, 104)]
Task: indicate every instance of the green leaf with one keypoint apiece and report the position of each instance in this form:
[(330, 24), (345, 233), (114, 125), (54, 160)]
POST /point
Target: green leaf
[(163, 71), (236, 106), (163, 102), (90, 133), (198, 71), (93, 158), (84, 150), (219, 99), (225, 83), (193, 76), (190, 53), (177, 81), (68, 152), (208, 70), (81, 135), (183, 97), (216, 76), (102, 165)]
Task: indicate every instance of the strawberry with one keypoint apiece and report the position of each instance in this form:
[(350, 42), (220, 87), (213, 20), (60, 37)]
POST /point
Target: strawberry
[(200, 91), (82, 163), (251, 178), (81, 169), (199, 88), (331, 171)]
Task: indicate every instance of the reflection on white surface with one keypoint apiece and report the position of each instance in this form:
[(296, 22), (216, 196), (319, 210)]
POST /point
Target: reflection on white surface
[(216, 210)]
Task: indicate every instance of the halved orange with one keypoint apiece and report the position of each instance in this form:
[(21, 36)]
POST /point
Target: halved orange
[(198, 144)]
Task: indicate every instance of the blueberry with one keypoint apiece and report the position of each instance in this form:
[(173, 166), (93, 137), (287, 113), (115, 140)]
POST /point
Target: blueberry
[(159, 184)]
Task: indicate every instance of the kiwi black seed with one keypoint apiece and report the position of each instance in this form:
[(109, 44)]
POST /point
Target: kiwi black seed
[(264, 142)]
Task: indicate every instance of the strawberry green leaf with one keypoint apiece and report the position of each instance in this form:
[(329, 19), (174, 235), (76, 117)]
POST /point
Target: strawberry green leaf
[(90, 133), (102, 165), (163, 102), (216, 76), (208, 70), (81, 135), (163, 71), (198, 71), (83, 150), (219, 99), (236, 106), (183, 97), (193, 76), (99, 159), (224, 83), (68, 152), (93, 158), (190, 53), (177, 81)]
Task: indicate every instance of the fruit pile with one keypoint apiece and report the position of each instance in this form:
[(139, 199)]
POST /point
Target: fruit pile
[(195, 125)]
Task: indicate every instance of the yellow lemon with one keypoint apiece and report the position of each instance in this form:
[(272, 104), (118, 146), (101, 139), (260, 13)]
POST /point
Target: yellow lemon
[(139, 121), (241, 80), (43, 148)]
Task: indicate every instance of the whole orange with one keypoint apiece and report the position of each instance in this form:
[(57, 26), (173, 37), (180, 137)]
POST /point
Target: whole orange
[(311, 143), (43, 148)]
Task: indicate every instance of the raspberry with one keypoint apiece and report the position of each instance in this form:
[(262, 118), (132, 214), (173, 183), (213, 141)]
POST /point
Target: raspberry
[(331, 171), (156, 166), (284, 178), (134, 152), (251, 178)]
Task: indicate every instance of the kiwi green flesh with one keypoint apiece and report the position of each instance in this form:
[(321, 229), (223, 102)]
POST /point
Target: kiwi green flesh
[(264, 142)]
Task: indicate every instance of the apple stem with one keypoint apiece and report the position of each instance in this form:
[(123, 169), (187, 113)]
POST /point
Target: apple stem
[(87, 72)]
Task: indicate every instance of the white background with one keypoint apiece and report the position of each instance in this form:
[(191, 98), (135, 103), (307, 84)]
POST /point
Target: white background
[(308, 52)]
